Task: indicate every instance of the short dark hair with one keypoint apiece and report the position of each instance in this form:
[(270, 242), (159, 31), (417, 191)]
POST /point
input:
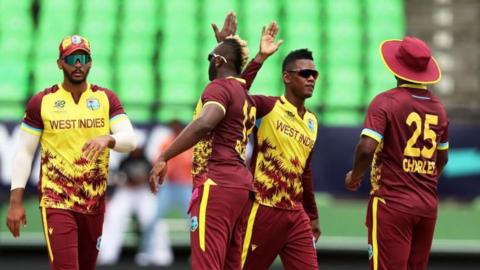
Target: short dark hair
[(296, 55), (239, 52)]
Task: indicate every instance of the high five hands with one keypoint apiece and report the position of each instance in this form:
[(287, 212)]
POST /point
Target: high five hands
[(268, 45)]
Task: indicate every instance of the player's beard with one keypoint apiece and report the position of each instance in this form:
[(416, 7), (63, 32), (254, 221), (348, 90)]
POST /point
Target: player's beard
[(73, 80)]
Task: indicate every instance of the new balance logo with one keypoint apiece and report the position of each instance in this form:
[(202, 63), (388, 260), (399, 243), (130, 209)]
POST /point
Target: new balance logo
[(254, 247)]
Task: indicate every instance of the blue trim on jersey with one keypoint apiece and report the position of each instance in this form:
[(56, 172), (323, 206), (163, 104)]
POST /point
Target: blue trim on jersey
[(443, 146), (118, 116), (26, 126), (373, 134)]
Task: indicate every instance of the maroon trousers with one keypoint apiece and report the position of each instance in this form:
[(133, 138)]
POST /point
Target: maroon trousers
[(216, 215), (273, 231), (397, 240), (73, 239)]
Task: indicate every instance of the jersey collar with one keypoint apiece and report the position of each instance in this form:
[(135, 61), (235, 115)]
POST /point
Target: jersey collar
[(288, 104), (416, 86), (292, 107), (65, 92), (242, 81)]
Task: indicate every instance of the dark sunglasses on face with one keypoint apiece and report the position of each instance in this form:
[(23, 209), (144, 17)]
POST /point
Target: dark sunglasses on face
[(73, 58), (305, 73)]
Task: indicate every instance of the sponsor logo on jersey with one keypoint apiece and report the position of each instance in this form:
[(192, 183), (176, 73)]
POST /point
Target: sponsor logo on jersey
[(59, 104), (290, 114), (50, 230), (254, 247), (193, 223), (93, 104)]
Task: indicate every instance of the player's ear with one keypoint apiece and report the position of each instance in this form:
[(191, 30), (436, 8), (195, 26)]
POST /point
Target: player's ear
[(218, 62), (59, 63), (286, 77)]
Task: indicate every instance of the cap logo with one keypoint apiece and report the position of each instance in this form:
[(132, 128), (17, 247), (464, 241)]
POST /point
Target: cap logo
[(76, 39)]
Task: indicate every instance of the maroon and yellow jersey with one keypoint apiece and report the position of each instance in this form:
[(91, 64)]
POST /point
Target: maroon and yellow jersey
[(67, 180), (411, 126), (221, 155), (281, 157)]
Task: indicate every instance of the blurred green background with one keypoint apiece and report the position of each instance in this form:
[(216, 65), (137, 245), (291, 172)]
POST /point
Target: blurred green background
[(153, 53)]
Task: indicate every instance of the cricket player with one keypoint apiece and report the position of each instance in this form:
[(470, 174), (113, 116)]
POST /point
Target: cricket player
[(405, 140), (76, 124)]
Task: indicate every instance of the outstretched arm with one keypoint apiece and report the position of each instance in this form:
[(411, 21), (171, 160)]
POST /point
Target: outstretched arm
[(210, 116), (364, 153)]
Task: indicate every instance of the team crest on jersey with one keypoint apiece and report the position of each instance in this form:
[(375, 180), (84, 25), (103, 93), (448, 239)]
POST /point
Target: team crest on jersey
[(59, 104), (370, 252), (193, 223), (99, 241), (93, 104), (311, 125)]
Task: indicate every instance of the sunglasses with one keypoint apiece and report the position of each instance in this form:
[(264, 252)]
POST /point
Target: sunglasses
[(73, 58), (305, 73), (214, 55)]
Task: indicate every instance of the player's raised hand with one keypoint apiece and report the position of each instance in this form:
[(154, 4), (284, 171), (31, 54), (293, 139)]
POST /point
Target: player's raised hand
[(94, 147), (350, 183), (157, 174), (229, 27), (268, 45), (16, 218)]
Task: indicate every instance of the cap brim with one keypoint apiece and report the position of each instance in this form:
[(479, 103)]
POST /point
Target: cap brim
[(73, 49), (388, 49)]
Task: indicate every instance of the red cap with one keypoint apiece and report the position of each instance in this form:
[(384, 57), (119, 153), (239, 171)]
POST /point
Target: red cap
[(73, 43), (410, 59)]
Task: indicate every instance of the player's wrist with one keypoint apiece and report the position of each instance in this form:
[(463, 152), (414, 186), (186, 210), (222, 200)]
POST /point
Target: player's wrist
[(16, 197), (111, 142), (261, 57), (162, 158), (356, 177)]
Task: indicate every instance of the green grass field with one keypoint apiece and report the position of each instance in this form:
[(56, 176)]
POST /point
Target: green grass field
[(342, 223)]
